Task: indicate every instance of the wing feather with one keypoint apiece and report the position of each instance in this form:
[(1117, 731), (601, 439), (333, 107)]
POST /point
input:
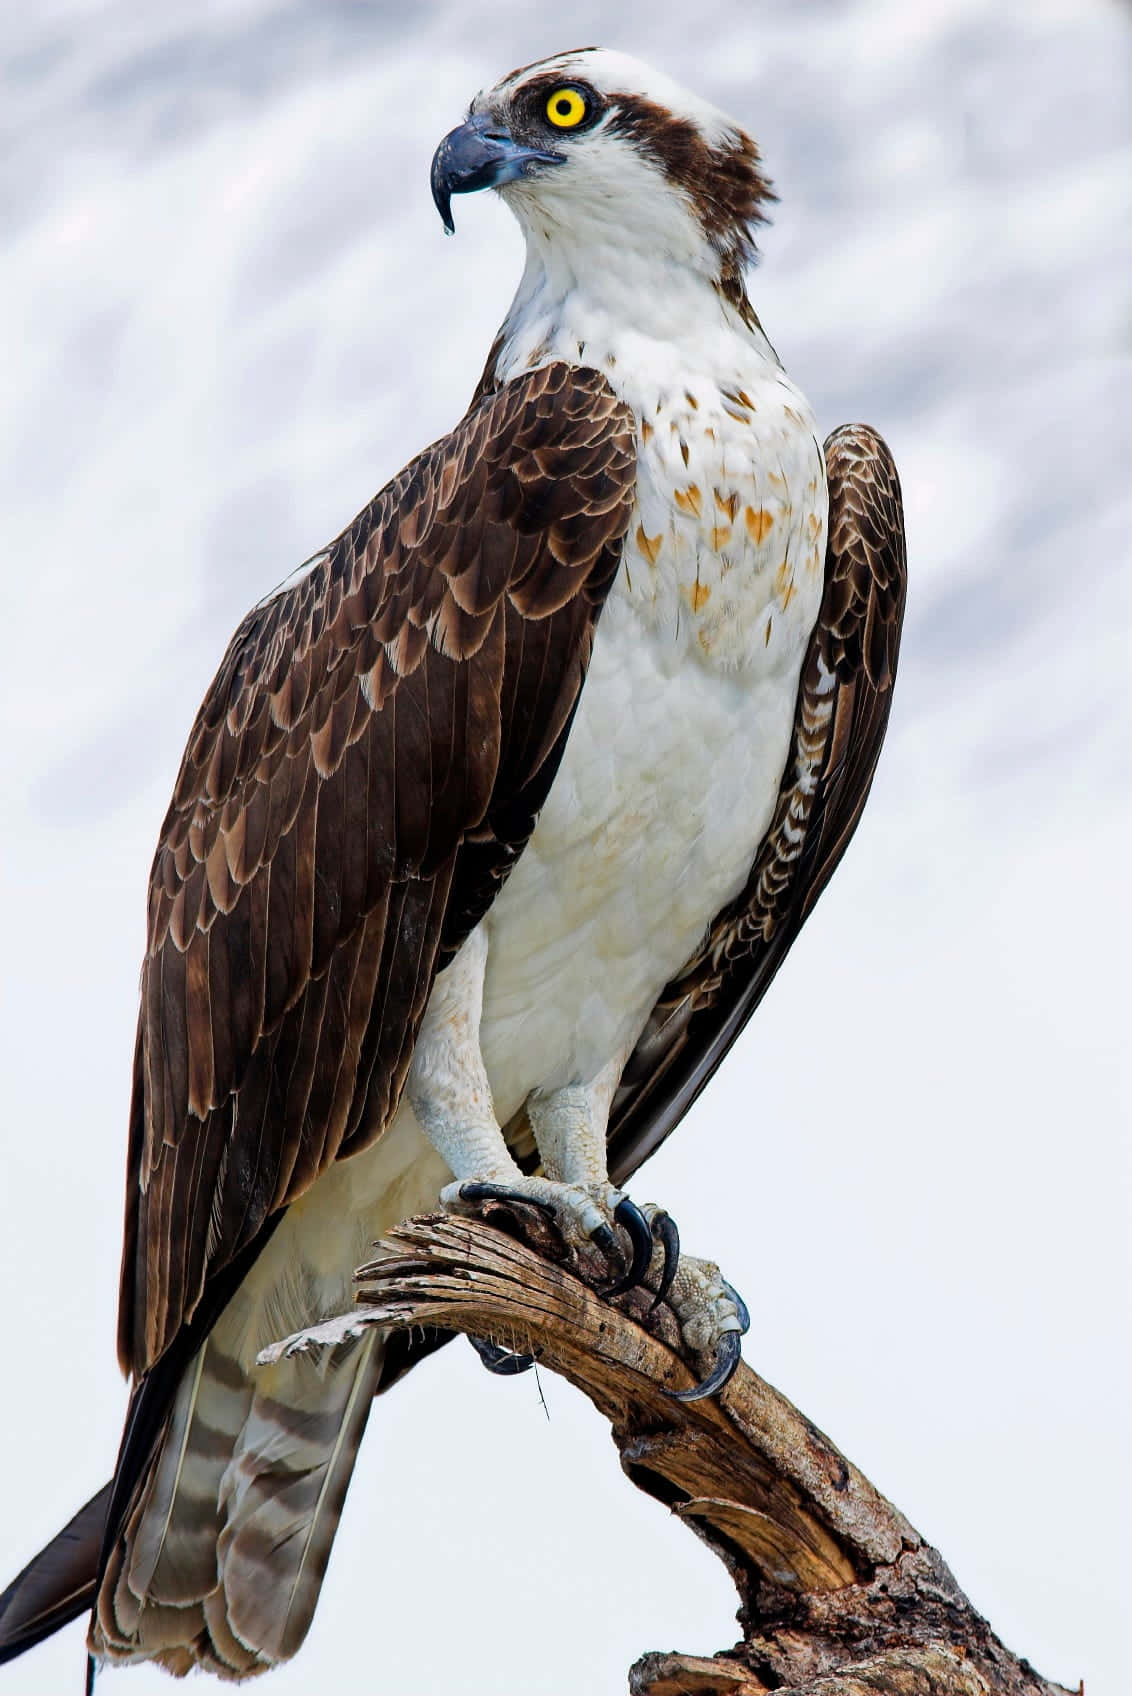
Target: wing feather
[(364, 768)]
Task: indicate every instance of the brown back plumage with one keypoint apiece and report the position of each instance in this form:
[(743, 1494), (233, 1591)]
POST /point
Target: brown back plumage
[(364, 769)]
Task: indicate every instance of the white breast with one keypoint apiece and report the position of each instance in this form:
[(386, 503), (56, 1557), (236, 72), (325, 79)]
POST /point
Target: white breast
[(673, 764)]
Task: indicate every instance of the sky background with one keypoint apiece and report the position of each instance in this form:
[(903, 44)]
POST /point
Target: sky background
[(229, 315)]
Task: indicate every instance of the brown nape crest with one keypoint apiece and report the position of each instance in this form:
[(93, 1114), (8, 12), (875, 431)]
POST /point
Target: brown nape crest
[(726, 185)]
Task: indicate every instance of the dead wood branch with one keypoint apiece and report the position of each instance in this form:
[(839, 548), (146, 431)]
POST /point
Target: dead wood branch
[(839, 1596)]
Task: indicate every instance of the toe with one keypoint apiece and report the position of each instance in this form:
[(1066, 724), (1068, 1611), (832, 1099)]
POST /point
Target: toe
[(475, 1190), (727, 1357), (713, 1318), (583, 1216)]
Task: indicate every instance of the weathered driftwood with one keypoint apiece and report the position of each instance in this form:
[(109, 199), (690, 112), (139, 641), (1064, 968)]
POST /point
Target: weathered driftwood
[(839, 1596)]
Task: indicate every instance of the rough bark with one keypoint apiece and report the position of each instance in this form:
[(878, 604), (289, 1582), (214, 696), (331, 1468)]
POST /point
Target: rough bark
[(839, 1596)]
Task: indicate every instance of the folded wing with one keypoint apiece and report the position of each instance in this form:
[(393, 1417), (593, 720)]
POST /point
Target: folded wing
[(364, 770)]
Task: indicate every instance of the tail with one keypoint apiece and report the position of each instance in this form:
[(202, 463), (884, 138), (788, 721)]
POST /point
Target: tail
[(221, 1557), (217, 1553), (58, 1585)]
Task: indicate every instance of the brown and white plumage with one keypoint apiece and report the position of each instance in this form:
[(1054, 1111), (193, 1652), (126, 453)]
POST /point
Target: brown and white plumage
[(840, 720), (388, 737)]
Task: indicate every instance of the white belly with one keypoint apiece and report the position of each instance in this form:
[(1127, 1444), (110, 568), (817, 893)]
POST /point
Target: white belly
[(666, 789)]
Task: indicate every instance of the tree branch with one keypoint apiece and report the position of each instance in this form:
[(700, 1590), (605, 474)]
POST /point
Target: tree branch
[(839, 1596)]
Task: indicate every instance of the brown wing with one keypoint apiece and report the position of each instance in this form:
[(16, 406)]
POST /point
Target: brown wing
[(364, 770), (840, 720)]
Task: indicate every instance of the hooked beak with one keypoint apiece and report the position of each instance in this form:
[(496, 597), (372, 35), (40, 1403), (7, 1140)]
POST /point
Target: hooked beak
[(480, 154)]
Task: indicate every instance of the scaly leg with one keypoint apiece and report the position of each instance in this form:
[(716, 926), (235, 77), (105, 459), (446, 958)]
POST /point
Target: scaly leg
[(450, 1094), (569, 1126)]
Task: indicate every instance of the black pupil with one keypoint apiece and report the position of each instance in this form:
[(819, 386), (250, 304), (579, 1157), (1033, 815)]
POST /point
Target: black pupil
[(563, 108)]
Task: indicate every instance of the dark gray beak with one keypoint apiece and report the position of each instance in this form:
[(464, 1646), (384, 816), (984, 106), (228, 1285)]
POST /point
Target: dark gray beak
[(481, 154)]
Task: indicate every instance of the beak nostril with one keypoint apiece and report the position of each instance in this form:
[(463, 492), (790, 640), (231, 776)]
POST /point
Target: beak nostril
[(481, 153)]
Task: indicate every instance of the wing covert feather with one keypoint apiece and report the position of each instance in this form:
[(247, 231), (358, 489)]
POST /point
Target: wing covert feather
[(364, 769)]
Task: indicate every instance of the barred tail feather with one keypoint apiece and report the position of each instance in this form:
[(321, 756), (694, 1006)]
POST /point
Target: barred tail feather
[(150, 1600), (283, 1494), (218, 1555), (209, 1413), (223, 1554)]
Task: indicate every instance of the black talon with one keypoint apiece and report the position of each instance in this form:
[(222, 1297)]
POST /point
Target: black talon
[(664, 1228), (504, 1362), (726, 1360), (629, 1216), (477, 1190), (741, 1307), (603, 1239)]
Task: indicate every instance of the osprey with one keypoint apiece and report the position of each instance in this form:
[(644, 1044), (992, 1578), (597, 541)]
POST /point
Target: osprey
[(492, 830)]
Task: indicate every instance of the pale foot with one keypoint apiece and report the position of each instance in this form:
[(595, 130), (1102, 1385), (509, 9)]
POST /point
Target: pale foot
[(712, 1315), (582, 1214)]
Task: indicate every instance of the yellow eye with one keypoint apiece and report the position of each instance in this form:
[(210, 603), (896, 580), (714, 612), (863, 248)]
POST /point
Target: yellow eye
[(565, 108)]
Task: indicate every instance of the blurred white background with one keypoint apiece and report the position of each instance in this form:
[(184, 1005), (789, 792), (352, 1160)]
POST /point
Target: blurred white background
[(230, 314)]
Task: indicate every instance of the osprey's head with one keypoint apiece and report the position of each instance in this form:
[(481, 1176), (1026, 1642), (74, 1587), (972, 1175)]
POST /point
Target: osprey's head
[(599, 156)]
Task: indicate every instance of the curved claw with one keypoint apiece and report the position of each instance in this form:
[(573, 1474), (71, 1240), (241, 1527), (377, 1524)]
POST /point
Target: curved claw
[(477, 1190), (629, 1216), (741, 1308), (726, 1360), (602, 1238), (664, 1229), (504, 1362)]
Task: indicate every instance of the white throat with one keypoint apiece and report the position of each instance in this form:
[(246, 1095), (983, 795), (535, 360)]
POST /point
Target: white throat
[(605, 300)]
